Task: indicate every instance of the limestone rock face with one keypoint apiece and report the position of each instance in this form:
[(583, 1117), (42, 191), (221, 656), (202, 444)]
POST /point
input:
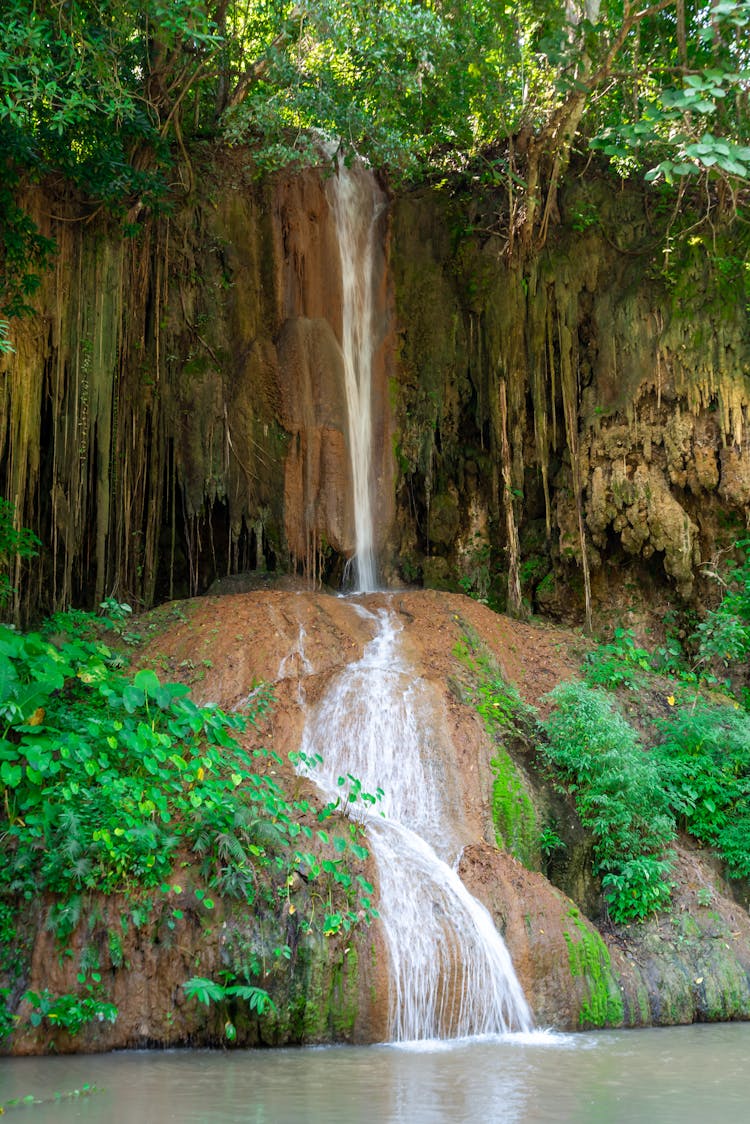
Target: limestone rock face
[(317, 475), (191, 385), (627, 429), (179, 398)]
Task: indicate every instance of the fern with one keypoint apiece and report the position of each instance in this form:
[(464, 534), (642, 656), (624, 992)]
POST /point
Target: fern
[(704, 757), (618, 795)]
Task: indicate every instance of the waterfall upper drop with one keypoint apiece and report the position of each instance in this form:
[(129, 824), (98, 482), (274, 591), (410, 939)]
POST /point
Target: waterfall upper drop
[(356, 201), (451, 974)]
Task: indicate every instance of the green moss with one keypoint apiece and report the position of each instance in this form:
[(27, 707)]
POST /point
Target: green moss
[(589, 959), (323, 1001), (344, 1002), (513, 814), (505, 716)]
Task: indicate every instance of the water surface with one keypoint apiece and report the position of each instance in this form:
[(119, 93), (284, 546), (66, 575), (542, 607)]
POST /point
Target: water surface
[(684, 1075)]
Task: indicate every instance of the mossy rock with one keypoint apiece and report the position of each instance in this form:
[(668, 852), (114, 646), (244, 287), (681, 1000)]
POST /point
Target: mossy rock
[(513, 815), (444, 519)]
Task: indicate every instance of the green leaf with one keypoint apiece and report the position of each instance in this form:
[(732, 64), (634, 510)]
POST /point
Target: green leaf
[(147, 681), (10, 775), (133, 698), (205, 991)]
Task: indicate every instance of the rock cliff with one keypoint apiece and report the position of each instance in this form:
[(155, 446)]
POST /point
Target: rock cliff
[(549, 431)]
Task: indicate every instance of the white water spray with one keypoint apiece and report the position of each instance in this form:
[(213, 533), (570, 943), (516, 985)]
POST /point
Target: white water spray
[(451, 974), (356, 202)]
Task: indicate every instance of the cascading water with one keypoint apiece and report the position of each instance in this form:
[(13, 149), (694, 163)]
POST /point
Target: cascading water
[(451, 974), (356, 202)]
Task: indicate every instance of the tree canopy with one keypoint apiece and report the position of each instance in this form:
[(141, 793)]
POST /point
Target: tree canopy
[(109, 95)]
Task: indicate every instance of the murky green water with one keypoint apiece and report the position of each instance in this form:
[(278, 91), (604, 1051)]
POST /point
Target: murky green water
[(684, 1075)]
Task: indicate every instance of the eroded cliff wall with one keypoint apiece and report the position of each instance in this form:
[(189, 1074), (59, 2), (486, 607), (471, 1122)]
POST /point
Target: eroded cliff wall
[(594, 400), (175, 411)]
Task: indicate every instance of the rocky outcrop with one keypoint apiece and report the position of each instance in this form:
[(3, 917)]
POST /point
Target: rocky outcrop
[(627, 435), (175, 410)]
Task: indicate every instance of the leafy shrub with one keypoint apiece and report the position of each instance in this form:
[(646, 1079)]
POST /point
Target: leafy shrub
[(102, 778), (704, 757), (620, 663), (733, 843), (207, 992), (550, 842), (72, 1012), (105, 779), (723, 638), (618, 796)]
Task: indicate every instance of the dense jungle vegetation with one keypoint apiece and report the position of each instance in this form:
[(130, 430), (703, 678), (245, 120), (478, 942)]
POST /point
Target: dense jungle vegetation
[(110, 98)]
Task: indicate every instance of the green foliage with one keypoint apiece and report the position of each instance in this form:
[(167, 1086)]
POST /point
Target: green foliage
[(399, 88), (719, 643), (704, 757), (107, 98), (686, 115), (702, 749), (103, 778), (550, 842), (618, 663), (105, 781), (85, 84), (6, 347), (619, 797), (71, 1012), (109, 783), (15, 543), (7, 1018), (14, 956), (207, 992), (723, 637), (85, 1090)]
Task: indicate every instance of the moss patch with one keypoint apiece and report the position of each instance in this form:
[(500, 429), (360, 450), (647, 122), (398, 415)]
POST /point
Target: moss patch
[(513, 814), (589, 960), (505, 717)]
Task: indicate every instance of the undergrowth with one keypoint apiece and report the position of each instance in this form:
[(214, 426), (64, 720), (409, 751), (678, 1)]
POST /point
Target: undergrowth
[(688, 768), (109, 783), (695, 773), (618, 795)]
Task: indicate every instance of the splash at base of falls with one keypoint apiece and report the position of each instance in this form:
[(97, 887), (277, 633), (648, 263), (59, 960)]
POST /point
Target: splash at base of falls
[(451, 974)]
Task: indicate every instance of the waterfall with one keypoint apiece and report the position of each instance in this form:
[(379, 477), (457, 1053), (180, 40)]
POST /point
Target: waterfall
[(356, 202), (451, 974)]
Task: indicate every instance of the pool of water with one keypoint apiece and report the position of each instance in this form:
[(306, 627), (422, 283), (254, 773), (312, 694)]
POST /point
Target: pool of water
[(684, 1075)]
